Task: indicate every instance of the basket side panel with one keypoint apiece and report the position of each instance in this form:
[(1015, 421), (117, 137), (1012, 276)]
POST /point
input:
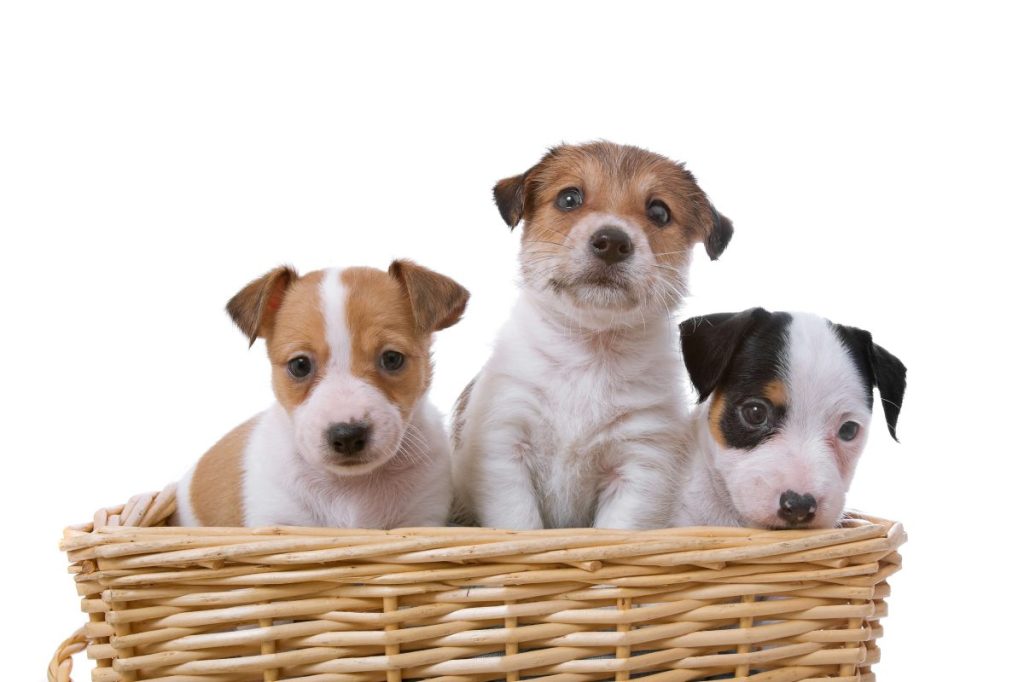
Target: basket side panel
[(470, 605)]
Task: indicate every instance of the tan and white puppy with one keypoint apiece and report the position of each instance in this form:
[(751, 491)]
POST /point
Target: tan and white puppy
[(575, 420), (351, 440)]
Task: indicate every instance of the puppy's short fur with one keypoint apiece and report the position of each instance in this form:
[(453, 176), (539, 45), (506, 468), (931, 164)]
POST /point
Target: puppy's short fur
[(574, 420), (351, 440), (790, 405)]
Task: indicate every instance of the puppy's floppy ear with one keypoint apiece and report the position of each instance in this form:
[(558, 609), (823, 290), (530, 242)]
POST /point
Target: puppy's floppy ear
[(715, 229), (510, 196), (254, 307), (709, 343), (880, 367), (437, 301), (891, 379), (718, 233)]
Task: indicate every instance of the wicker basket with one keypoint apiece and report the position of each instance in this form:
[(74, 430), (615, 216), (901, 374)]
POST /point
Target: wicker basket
[(471, 604)]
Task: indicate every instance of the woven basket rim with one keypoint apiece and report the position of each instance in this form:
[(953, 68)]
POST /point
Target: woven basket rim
[(131, 529)]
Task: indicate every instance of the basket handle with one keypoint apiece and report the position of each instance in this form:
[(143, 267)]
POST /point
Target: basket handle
[(60, 665)]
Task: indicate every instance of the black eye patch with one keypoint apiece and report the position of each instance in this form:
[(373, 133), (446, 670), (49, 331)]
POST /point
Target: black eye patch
[(750, 395), (747, 420)]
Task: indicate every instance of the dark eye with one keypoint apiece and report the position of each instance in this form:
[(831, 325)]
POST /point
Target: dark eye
[(300, 367), (659, 213), (391, 360), (569, 199), (848, 431), (754, 413)]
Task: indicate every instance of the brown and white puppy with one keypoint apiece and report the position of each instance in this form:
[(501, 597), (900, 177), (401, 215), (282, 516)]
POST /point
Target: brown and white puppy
[(351, 440), (574, 420)]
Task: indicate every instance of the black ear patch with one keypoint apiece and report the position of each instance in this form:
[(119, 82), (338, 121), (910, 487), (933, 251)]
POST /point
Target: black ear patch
[(879, 368), (710, 342), (719, 236)]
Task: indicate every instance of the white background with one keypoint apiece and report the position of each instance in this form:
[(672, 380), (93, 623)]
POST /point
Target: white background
[(154, 158)]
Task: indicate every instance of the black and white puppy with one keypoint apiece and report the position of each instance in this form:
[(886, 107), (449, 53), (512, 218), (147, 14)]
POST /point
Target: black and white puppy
[(790, 404)]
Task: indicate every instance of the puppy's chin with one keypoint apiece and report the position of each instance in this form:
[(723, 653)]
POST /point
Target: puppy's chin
[(606, 300), (597, 291), (357, 466)]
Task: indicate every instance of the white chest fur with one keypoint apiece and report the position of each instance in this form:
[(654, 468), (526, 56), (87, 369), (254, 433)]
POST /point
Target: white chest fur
[(584, 423)]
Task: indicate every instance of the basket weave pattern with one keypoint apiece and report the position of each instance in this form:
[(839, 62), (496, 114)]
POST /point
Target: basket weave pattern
[(473, 605)]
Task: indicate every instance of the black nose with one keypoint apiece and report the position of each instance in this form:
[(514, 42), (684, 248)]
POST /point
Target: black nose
[(348, 439), (795, 508), (611, 245)]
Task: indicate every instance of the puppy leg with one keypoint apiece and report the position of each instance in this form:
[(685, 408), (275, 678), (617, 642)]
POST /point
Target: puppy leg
[(637, 493), (501, 491)]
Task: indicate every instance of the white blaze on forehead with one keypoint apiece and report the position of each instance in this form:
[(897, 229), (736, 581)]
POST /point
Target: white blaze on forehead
[(822, 378), (332, 304)]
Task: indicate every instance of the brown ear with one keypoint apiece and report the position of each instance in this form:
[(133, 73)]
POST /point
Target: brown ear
[(253, 308), (715, 229), (510, 196), (717, 232), (437, 301)]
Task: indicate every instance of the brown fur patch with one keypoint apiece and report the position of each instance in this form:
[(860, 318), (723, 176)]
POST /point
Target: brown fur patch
[(617, 179), (715, 419), (298, 329), (437, 301), (380, 317), (216, 488), (775, 392)]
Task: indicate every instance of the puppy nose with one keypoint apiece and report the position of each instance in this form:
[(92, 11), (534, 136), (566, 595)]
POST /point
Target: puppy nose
[(349, 438), (611, 245), (795, 508)]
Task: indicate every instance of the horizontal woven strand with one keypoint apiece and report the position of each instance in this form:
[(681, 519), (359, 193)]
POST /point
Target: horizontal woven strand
[(423, 546)]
